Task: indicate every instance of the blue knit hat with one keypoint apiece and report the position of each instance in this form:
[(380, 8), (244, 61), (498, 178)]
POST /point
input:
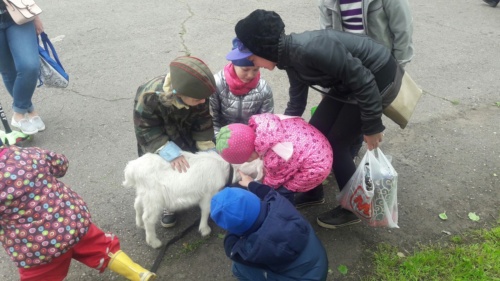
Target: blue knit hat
[(235, 209)]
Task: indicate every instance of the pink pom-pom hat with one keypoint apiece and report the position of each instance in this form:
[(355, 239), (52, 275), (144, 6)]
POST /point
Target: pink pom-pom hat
[(235, 143)]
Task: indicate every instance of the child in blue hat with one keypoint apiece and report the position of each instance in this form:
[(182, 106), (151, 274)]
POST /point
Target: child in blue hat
[(268, 239)]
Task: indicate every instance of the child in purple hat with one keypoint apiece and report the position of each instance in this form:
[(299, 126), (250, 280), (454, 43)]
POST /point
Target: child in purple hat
[(240, 93)]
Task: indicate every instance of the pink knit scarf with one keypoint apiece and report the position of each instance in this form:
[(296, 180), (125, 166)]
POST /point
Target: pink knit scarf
[(236, 86)]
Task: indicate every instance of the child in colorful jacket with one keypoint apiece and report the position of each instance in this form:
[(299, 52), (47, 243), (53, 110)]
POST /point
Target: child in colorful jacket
[(268, 239), (241, 93), (44, 224), (296, 156)]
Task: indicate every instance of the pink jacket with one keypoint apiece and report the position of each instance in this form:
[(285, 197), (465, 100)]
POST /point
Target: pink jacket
[(40, 217), (312, 157)]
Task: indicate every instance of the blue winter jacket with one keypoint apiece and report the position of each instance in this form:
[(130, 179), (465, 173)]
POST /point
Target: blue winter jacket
[(281, 240)]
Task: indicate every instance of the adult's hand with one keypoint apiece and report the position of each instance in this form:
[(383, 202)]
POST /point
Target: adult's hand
[(38, 25), (373, 141), (180, 164)]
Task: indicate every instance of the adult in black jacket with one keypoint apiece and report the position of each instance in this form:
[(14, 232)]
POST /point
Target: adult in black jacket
[(363, 77)]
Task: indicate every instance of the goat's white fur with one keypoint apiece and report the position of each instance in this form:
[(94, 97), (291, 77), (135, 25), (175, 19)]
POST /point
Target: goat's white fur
[(159, 186)]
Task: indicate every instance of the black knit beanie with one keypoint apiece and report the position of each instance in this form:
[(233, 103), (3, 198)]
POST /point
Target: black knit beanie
[(260, 33)]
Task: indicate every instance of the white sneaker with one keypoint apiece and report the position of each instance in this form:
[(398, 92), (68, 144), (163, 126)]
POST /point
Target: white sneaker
[(25, 126), (38, 123)]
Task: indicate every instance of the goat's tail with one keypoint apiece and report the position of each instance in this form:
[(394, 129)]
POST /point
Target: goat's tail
[(129, 181)]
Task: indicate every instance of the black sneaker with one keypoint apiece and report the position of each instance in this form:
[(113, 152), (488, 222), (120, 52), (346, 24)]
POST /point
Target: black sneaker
[(492, 3), (336, 218), (312, 197), (168, 219)]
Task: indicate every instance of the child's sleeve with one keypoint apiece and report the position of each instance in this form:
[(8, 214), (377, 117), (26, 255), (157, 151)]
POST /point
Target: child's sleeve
[(261, 190), (149, 126), (169, 151), (215, 105), (58, 163), (229, 242), (268, 102)]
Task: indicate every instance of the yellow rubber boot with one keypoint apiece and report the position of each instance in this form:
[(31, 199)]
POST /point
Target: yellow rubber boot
[(125, 266)]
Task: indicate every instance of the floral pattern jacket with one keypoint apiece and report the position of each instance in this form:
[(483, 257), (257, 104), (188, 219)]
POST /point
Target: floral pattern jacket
[(40, 217), (312, 157)]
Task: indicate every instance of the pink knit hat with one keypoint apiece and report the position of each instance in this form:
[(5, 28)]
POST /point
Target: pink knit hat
[(235, 143)]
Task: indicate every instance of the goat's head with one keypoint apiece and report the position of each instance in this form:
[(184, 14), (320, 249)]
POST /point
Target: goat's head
[(255, 169)]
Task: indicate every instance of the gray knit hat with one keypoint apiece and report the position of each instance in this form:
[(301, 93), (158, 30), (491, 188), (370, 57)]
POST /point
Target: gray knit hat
[(191, 77)]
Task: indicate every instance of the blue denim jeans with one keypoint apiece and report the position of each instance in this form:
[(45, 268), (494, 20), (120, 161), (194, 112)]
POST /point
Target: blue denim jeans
[(19, 62)]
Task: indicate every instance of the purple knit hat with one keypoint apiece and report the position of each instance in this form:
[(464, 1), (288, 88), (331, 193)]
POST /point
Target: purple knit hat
[(239, 54), (235, 143)]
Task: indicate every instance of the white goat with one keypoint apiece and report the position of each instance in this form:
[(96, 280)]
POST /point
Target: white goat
[(159, 186)]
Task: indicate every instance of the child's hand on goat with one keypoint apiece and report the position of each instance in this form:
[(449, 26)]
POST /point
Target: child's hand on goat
[(245, 179), (180, 164)]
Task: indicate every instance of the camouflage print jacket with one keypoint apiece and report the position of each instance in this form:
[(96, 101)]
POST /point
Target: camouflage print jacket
[(157, 120)]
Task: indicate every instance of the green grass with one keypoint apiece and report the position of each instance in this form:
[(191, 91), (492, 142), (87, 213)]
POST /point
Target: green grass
[(193, 246), (475, 256)]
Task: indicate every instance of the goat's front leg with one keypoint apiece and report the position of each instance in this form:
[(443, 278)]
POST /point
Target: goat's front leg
[(205, 212)]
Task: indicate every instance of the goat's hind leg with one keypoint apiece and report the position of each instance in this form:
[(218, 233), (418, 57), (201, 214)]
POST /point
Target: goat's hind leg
[(139, 210), (150, 217), (205, 212)]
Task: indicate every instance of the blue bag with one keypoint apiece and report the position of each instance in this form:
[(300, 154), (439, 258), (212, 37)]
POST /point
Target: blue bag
[(52, 73)]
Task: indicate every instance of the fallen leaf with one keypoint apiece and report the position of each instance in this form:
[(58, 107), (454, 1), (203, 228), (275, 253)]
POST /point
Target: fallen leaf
[(446, 232), (473, 216), (401, 255), (221, 236), (443, 216), (342, 269)]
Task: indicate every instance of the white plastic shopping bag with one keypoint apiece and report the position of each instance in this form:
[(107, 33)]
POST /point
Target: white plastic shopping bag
[(371, 193)]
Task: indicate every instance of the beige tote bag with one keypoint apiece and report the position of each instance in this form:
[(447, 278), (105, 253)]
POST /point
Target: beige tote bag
[(401, 109)]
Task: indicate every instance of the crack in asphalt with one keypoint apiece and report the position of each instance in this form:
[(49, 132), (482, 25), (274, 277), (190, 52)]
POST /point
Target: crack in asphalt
[(98, 98), (184, 30)]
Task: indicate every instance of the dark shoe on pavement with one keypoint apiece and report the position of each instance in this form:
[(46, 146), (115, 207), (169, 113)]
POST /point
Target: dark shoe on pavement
[(492, 3), (312, 197), (336, 218), (168, 219)]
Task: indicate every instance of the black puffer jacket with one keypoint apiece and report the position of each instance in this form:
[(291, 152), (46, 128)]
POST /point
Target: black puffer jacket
[(346, 63)]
